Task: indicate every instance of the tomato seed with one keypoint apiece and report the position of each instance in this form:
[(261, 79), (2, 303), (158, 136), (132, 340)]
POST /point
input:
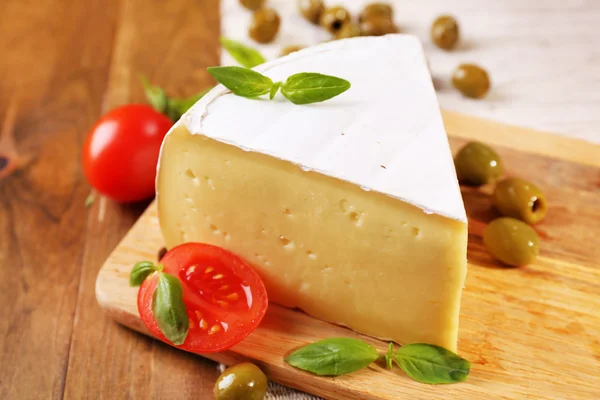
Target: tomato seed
[(224, 287), (203, 324), (198, 315), (209, 270), (214, 329), (222, 303), (218, 276), (232, 296), (190, 270)]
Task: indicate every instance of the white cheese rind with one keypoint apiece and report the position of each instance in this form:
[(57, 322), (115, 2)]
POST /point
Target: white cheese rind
[(384, 134)]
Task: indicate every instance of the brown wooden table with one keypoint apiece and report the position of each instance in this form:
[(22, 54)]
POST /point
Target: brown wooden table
[(62, 64)]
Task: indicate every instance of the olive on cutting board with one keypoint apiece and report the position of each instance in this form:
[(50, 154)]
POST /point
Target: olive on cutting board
[(311, 9), (290, 49), (511, 241), (265, 25), (477, 164), (252, 5), (334, 18), (378, 26), (244, 381), (376, 10), (445, 32), (517, 198), (471, 80)]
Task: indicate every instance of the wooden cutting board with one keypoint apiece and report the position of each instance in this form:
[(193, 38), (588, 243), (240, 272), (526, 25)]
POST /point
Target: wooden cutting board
[(531, 332)]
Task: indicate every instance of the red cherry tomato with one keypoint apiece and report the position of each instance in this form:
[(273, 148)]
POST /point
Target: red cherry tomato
[(225, 298), (121, 151)]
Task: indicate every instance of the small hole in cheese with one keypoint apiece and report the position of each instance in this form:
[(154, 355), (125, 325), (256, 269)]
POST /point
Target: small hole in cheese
[(356, 218), (416, 232), (287, 211), (190, 173), (287, 243), (311, 255)]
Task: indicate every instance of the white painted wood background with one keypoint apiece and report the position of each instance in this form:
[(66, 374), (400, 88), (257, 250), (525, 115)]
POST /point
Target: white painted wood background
[(543, 55)]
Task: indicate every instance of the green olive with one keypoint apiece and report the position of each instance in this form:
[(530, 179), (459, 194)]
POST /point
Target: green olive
[(517, 198), (477, 164), (252, 4), (242, 381), (377, 26), (290, 49), (376, 10), (334, 18), (511, 241), (265, 25), (471, 80), (348, 30), (311, 9), (444, 32)]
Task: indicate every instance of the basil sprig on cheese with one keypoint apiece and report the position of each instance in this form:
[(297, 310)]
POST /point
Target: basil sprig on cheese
[(425, 363), (302, 88), (167, 302)]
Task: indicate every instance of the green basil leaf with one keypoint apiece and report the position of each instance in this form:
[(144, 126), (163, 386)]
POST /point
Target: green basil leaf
[(333, 357), (312, 87), (242, 81), (274, 90), (389, 355), (177, 107), (428, 363), (169, 310), (246, 56), (140, 272), (155, 95)]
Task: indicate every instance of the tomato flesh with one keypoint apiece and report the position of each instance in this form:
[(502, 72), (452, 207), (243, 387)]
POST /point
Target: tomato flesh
[(225, 298)]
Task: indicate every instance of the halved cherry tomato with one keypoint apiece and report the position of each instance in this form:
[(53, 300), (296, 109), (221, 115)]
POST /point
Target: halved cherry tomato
[(121, 152), (224, 297)]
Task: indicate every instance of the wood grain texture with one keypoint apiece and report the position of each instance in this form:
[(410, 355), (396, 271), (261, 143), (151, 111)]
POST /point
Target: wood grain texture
[(529, 332), (64, 63), (51, 77), (124, 365)]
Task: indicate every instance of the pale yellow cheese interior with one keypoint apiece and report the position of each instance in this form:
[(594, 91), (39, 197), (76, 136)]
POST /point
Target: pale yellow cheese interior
[(358, 258)]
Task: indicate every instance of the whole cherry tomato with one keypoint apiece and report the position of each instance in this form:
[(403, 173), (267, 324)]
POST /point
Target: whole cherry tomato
[(121, 151)]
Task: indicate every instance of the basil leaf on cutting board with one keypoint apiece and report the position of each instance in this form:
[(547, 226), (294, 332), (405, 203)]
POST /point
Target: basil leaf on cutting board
[(425, 363), (169, 310), (428, 363), (333, 357)]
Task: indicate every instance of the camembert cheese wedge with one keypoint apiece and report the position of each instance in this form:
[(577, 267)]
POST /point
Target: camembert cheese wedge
[(349, 209)]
